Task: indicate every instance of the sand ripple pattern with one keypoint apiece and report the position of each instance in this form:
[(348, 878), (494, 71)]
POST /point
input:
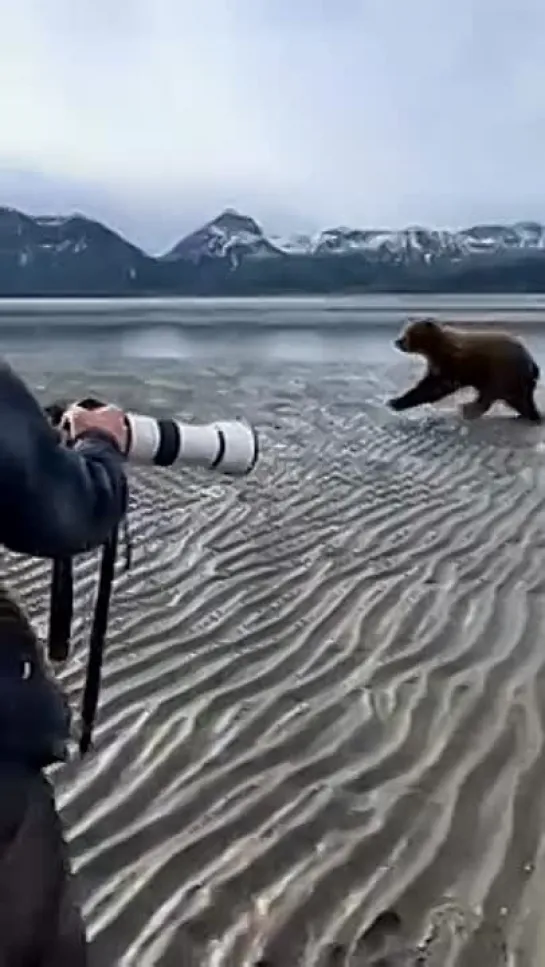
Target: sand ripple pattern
[(321, 732)]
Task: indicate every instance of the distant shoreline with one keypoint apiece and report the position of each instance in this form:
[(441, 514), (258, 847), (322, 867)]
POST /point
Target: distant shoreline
[(336, 315), (526, 300)]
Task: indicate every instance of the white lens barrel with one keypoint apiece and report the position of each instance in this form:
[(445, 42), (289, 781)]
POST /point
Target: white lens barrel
[(229, 446)]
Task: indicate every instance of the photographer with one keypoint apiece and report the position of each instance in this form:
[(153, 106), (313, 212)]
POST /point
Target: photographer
[(55, 502)]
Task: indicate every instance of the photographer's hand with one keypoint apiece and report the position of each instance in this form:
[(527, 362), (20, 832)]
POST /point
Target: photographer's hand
[(108, 420)]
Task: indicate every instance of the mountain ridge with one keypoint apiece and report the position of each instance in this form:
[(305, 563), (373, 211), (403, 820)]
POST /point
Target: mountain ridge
[(73, 255)]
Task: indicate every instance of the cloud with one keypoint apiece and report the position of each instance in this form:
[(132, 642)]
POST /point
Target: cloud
[(303, 113)]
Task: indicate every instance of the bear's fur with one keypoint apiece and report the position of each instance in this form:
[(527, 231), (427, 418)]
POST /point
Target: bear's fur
[(496, 364)]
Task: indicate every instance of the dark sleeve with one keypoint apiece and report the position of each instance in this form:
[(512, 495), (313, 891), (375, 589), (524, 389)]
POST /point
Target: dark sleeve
[(54, 501)]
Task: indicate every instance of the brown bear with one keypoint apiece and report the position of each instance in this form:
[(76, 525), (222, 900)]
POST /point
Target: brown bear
[(496, 364)]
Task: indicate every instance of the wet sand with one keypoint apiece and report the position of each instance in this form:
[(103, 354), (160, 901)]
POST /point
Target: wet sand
[(321, 730)]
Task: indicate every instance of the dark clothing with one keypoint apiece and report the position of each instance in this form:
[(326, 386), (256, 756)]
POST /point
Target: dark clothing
[(34, 714), (40, 924), (54, 501)]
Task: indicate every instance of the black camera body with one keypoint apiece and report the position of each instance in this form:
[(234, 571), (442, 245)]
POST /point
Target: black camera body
[(56, 410)]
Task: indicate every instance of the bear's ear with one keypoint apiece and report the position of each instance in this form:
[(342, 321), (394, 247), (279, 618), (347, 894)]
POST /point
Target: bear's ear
[(430, 324), (424, 322)]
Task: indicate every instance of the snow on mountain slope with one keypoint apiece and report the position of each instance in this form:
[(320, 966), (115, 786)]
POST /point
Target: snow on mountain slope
[(230, 235), (235, 236), (231, 254), (64, 253)]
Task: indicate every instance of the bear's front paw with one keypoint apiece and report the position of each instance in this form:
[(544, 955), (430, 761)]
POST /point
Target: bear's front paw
[(394, 403)]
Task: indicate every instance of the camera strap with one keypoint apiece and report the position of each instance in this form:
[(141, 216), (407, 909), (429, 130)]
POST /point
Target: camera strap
[(61, 608)]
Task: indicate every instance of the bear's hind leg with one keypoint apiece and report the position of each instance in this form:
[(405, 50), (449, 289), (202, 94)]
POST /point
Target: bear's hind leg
[(524, 404)]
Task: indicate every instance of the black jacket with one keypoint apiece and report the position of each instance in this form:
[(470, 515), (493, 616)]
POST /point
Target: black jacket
[(54, 501)]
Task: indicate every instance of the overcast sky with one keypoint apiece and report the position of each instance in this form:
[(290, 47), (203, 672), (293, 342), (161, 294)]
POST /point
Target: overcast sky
[(156, 114)]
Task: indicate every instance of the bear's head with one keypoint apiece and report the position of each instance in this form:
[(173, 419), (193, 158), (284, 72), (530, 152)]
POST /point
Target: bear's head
[(419, 336)]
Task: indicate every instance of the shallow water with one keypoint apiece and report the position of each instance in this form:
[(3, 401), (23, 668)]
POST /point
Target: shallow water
[(321, 729)]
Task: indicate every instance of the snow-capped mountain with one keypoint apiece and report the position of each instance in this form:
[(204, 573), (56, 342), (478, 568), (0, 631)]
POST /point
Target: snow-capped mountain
[(235, 236), (232, 255), (230, 235), (64, 254)]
